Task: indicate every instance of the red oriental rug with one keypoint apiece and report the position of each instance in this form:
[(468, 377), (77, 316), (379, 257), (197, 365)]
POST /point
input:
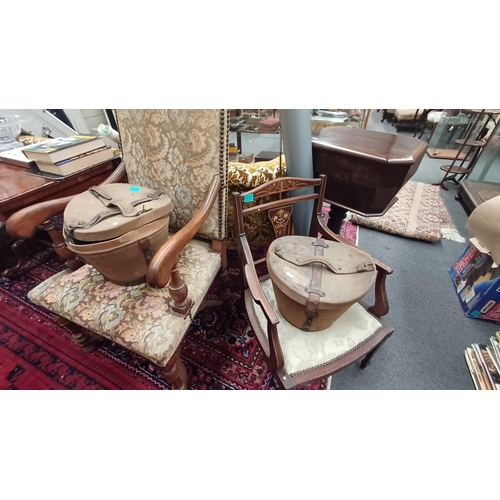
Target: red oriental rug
[(220, 350)]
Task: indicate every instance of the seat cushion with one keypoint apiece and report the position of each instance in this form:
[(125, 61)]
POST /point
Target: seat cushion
[(246, 176), (304, 351), (407, 114), (136, 317)]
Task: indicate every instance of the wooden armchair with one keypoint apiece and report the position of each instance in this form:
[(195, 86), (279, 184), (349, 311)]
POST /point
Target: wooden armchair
[(297, 357), (183, 154)]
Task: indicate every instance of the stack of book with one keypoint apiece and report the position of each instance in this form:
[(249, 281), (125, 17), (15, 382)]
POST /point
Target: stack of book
[(67, 155), (484, 364)]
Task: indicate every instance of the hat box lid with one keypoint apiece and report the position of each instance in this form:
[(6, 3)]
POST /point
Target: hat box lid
[(347, 272), (109, 211)]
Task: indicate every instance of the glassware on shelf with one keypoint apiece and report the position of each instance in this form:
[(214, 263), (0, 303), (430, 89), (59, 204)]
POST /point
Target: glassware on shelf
[(10, 128), (483, 181), (453, 126)]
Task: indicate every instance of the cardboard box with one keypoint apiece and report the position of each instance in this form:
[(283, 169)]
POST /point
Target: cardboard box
[(476, 278)]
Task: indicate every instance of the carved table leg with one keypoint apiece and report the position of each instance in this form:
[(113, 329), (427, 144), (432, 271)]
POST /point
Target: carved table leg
[(19, 250), (175, 372), (336, 217)]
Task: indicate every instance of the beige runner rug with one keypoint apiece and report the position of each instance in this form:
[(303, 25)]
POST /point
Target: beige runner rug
[(419, 213)]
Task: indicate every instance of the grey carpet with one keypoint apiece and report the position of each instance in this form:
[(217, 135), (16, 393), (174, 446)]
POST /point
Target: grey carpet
[(431, 331)]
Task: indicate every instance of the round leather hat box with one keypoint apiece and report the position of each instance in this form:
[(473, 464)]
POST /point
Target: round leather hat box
[(117, 228), (315, 281)]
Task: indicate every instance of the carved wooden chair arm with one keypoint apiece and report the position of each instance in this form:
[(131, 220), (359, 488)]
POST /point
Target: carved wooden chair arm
[(381, 305), (328, 234), (258, 295), (165, 259), (23, 224), (274, 351)]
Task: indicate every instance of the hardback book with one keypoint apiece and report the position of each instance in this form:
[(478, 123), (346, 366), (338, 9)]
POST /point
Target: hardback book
[(496, 349), (480, 375), (495, 362), (472, 368), (492, 377), (484, 381), (62, 148), (77, 163), (16, 156)]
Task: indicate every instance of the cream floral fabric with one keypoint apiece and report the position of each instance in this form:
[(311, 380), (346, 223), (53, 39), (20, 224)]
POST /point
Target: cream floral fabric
[(136, 317), (306, 350), (178, 151), (246, 176)]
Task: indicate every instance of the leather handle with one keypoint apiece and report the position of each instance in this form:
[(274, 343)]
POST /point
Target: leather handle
[(107, 200), (304, 260)]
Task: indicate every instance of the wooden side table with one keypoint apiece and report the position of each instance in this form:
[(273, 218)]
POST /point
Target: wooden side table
[(20, 189), (365, 169)]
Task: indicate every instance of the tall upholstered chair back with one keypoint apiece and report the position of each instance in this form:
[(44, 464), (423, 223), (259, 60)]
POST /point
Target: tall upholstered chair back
[(183, 154), (177, 151)]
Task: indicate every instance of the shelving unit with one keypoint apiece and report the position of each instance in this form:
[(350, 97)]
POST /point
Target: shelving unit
[(469, 147), (483, 181), (454, 124)]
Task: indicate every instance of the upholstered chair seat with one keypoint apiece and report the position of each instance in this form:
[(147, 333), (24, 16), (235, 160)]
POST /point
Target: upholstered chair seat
[(137, 317), (407, 116), (306, 351)]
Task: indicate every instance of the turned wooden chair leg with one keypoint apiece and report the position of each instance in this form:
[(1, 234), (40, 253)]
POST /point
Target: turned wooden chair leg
[(180, 302), (19, 250), (175, 372), (88, 341), (366, 360), (224, 285)]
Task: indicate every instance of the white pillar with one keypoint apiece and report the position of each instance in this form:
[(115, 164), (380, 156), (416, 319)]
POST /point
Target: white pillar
[(297, 145)]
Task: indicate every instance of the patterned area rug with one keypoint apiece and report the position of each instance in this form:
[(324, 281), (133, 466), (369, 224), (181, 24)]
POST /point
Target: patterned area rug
[(220, 350), (419, 213)]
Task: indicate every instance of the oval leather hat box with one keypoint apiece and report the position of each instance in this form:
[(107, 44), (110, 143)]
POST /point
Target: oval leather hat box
[(315, 281), (117, 228)]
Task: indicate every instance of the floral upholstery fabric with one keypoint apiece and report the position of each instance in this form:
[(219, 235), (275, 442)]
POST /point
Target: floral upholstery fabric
[(246, 176), (178, 151), (305, 350), (136, 317)]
